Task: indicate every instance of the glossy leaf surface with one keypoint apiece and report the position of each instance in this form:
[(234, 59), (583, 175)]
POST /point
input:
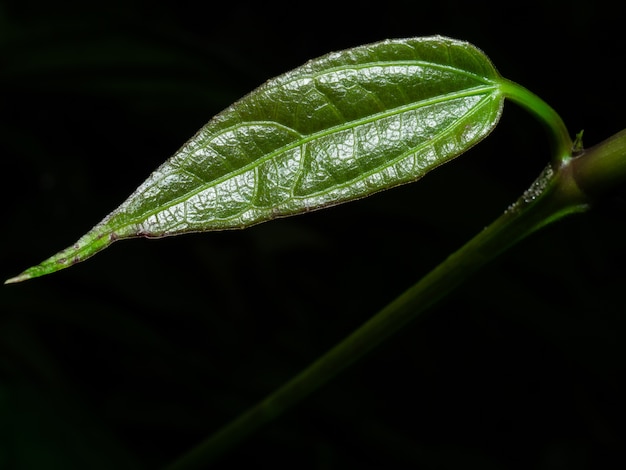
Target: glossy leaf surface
[(340, 127)]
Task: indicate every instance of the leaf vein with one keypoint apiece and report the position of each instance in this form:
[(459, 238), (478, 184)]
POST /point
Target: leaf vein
[(485, 89)]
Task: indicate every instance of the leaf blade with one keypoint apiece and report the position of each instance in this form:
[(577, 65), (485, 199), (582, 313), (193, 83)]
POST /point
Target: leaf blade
[(338, 128)]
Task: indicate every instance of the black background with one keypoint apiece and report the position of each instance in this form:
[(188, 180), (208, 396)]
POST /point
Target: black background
[(128, 360)]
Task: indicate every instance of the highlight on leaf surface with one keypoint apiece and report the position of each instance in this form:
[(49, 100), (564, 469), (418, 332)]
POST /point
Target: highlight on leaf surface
[(340, 127)]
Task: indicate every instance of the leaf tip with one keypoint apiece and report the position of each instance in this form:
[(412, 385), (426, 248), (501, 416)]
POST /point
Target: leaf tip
[(95, 240), (30, 273), (19, 278)]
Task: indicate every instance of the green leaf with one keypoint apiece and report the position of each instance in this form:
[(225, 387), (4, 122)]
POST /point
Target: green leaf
[(340, 127)]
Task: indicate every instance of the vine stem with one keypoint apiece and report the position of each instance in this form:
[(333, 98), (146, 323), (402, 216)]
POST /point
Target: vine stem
[(566, 186), (553, 195)]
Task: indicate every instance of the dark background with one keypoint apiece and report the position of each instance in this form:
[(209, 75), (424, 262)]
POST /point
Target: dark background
[(128, 360)]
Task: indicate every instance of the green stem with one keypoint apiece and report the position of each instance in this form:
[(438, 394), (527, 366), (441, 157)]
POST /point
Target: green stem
[(601, 168), (563, 188), (553, 195), (561, 140)]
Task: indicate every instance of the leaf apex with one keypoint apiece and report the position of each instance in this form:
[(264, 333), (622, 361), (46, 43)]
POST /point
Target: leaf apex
[(95, 240), (19, 278)]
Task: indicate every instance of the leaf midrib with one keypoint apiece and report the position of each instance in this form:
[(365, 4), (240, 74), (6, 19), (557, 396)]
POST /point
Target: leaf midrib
[(486, 89)]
